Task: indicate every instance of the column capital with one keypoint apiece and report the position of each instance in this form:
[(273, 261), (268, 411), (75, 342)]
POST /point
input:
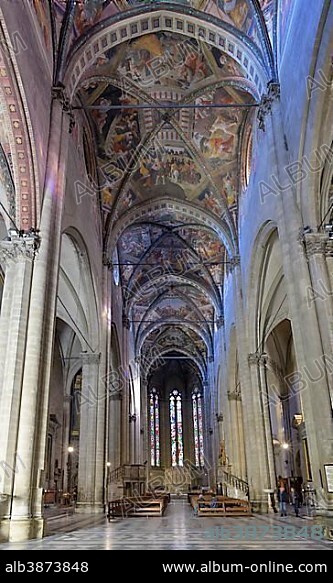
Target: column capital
[(220, 322), (252, 358), (234, 396), (234, 261), (318, 244), (257, 358), (59, 93), (107, 262), (90, 357), (126, 322), (267, 100), (19, 248), (115, 396)]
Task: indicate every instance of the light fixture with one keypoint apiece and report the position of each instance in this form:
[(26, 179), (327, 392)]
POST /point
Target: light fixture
[(70, 449), (285, 445), (108, 464)]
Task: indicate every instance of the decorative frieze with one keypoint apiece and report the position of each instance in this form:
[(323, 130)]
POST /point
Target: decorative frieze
[(267, 100), (318, 244), (19, 248), (257, 359), (253, 358), (126, 322), (58, 92)]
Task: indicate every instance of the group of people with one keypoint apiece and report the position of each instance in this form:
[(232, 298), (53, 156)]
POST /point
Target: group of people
[(294, 497)]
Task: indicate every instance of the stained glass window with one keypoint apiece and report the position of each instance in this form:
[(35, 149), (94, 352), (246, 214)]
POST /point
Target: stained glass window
[(198, 428), (176, 424), (154, 428)]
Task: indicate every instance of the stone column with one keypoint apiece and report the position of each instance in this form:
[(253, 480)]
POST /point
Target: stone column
[(256, 460), (262, 364), (17, 256), (65, 440), (242, 461), (132, 438), (236, 446), (319, 253), (310, 338), (125, 445), (26, 511), (89, 420), (115, 429), (145, 424)]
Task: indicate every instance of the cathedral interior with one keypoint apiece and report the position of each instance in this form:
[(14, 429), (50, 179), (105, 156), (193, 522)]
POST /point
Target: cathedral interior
[(166, 260)]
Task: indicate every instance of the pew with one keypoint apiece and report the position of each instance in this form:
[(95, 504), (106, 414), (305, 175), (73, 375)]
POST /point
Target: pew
[(145, 506), (224, 506)]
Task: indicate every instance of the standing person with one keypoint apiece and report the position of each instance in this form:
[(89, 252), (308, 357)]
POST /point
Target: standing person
[(283, 499), (295, 500)]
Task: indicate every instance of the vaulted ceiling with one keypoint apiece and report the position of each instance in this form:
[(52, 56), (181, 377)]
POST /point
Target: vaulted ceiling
[(169, 91)]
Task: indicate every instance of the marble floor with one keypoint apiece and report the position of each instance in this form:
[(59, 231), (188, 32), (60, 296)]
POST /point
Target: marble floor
[(179, 530)]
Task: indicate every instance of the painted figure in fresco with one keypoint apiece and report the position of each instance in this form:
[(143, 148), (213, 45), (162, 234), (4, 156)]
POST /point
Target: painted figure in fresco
[(87, 13), (229, 189), (210, 202), (41, 10)]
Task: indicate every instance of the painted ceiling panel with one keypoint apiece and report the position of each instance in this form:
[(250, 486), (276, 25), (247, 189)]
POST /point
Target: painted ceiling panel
[(190, 153), (168, 113)]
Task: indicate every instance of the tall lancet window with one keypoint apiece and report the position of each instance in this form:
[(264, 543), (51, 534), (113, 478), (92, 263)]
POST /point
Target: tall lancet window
[(154, 428), (198, 428), (176, 424)]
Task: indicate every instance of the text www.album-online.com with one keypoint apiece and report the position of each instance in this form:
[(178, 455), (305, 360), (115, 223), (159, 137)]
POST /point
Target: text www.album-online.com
[(269, 567)]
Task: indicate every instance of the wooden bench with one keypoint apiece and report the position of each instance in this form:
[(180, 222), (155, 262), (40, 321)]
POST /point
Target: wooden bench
[(223, 506), (144, 506)]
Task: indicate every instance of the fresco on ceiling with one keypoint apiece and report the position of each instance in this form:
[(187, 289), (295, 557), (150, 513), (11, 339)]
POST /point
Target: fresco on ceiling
[(209, 249), (190, 154), (165, 164), (237, 13), (204, 243), (41, 10), (137, 241), (164, 59), (87, 13), (176, 338), (173, 311), (201, 299), (176, 253)]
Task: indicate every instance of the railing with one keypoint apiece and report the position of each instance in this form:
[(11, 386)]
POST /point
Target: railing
[(235, 482), (116, 475)]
